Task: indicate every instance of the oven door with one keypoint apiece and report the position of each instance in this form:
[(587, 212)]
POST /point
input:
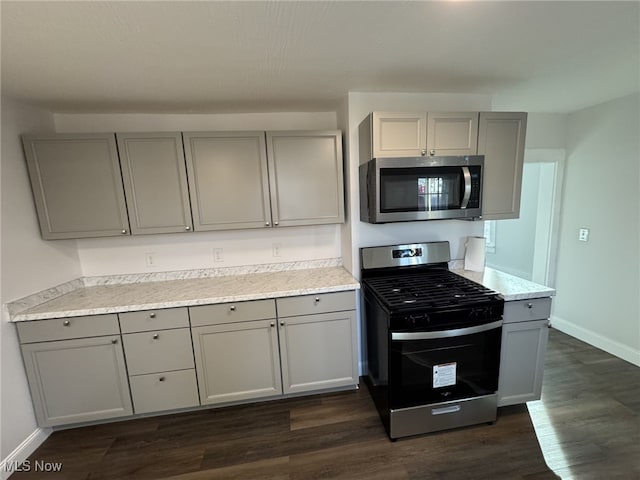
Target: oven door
[(439, 366)]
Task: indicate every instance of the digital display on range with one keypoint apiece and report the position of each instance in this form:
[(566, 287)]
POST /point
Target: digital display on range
[(407, 253)]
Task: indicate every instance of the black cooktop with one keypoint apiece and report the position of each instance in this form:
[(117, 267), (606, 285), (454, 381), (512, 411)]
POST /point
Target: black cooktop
[(429, 289)]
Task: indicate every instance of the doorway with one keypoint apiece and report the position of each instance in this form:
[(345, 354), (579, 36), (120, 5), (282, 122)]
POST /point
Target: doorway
[(527, 246)]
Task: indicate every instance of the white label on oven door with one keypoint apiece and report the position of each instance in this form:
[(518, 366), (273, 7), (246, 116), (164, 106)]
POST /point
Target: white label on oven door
[(444, 375)]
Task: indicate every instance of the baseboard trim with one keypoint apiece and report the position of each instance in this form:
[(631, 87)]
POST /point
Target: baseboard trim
[(22, 451), (603, 343)]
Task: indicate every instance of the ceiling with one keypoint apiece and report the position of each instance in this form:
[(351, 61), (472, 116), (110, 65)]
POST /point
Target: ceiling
[(214, 56)]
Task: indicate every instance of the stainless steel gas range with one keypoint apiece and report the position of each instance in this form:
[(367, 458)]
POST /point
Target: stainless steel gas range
[(433, 340)]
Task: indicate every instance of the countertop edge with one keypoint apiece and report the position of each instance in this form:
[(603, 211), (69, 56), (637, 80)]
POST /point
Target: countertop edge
[(183, 303), (510, 287)]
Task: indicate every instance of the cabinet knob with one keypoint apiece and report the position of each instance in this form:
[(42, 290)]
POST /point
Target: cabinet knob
[(187, 228), (152, 315), (275, 223), (66, 323), (273, 324), (432, 152), (267, 224), (161, 379), (423, 152), (317, 299), (114, 340), (232, 308), (156, 336), (124, 232), (282, 324), (529, 305)]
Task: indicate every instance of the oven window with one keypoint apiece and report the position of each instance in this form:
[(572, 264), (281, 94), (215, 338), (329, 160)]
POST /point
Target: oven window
[(438, 370), (420, 189)]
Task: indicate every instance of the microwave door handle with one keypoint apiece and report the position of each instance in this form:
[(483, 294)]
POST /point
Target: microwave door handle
[(467, 187)]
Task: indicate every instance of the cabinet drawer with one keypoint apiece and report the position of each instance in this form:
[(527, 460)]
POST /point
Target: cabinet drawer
[(320, 303), (164, 391), (152, 352), (150, 320), (530, 309), (68, 328), (232, 312)]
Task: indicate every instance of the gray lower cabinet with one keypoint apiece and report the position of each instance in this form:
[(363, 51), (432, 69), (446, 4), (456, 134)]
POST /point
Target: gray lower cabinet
[(77, 185), (525, 333), (159, 360), (237, 361), (305, 177), (317, 351), (77, 380), (317, 341), (244, 352), (155, 182)]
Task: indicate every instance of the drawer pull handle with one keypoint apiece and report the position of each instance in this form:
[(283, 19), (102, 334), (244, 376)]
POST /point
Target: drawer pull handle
[(317, 299), (156, 336), (114, 341), (529, 305), (152, 315), (161, 379), (66, 323), (232, 308)]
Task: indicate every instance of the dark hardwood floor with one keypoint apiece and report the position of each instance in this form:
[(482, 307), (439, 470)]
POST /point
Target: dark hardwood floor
[(587, 426)]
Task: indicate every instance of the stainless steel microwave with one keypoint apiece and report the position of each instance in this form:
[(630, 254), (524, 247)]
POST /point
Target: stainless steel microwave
[(421, 188)]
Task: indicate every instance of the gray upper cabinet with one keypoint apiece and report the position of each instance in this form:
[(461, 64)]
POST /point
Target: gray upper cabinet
[(396, 134), (305, 177), (228, 180), (400, 134), (77, 185), (155, 182), (501, 137), (452, 133)]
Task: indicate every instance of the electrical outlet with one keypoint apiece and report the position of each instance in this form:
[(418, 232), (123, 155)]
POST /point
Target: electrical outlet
[(277, 249), (218, 255), (150, 259), (583, 235)]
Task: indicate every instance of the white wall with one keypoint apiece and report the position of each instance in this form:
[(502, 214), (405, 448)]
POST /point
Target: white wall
[(29, 264), (183, 251), (360, 104), (598, 282)]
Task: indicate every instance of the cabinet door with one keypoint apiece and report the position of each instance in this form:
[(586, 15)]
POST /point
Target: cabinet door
[(318, 351), (501, 138), (452, 133), (237, 361), (75, 381), (305, 175), (524, 345), (77, 185), (155, 182), (228, 181), (399, 134)]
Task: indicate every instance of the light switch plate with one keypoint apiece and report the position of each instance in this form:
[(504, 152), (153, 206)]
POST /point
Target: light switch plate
[(583, 235)]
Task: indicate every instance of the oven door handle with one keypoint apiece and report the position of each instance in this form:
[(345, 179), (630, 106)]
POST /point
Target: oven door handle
[(457, 332), (467, 187)]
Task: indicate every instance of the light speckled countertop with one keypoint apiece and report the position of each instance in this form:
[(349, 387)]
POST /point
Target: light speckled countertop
[(94, 300), (510, 287)]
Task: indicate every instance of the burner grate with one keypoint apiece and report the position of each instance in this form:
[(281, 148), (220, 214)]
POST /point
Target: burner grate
[(435, 289)]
